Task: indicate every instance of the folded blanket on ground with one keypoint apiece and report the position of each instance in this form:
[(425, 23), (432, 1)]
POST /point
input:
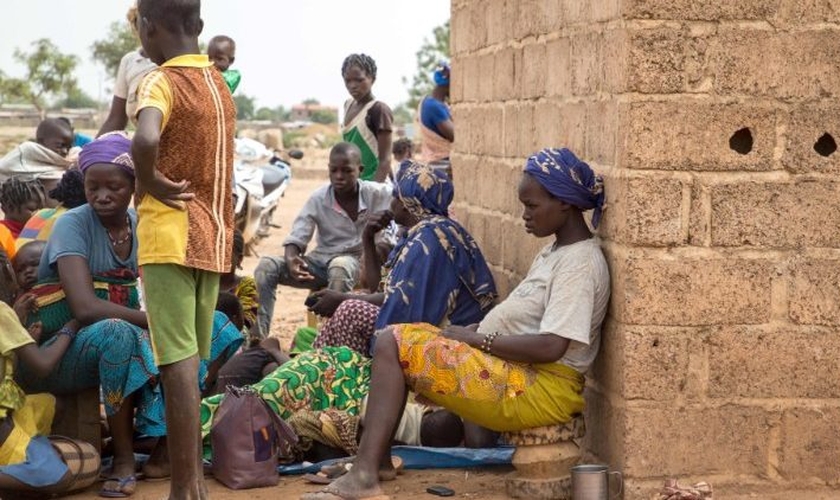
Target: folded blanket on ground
[(421, 457)]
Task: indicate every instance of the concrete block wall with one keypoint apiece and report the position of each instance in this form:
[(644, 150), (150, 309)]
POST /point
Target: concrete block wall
[(714, 124)]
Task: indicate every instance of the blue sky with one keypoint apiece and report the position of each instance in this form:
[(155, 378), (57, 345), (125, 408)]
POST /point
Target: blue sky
[(287, 51)]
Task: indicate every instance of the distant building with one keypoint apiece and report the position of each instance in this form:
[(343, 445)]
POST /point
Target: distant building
[(306, 112)]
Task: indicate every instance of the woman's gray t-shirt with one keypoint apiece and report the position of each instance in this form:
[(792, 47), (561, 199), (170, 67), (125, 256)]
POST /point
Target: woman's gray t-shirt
[(78, 232)]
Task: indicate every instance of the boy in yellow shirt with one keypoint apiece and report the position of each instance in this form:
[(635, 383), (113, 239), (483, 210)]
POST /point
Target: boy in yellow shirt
[(183, 155)]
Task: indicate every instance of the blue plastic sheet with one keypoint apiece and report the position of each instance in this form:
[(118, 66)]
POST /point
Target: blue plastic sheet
[(419, 457)]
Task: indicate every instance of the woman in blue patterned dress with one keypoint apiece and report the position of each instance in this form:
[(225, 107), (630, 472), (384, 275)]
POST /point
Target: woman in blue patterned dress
[(435, 275)]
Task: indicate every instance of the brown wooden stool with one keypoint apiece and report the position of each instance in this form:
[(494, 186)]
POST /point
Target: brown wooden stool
[(543, 460), (79, 417)]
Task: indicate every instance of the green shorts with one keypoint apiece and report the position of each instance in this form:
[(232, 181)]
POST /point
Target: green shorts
[(180, 302)]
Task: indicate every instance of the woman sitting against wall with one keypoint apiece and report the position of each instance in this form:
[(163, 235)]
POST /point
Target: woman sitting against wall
[(523, 365)]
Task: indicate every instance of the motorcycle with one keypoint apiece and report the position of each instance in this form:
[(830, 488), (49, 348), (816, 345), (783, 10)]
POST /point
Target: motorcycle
[(261, 177)]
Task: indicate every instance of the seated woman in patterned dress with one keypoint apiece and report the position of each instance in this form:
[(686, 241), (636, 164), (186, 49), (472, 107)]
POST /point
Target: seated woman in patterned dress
[(523, 366), (90, 261), (436, 274)]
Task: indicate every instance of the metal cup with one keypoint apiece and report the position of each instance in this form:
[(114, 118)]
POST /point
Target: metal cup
[(591, 482)]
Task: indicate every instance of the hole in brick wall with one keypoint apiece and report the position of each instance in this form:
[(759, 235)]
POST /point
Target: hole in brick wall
[(741, 141), (825, 145)]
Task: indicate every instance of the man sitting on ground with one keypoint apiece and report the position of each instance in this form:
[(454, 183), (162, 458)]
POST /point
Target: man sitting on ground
[(339, 211)]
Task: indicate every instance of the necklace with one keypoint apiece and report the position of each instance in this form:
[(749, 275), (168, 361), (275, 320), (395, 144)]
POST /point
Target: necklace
[(125, 238)]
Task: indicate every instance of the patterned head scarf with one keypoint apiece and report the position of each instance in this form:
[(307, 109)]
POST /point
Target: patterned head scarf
[(424, 191), (113, 148), (568, 179), (441, 74)]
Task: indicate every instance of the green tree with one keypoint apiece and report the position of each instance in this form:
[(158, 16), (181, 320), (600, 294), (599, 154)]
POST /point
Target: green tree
[(76, 99), (109, 51), (325, 116), (430, 54), (311, 102), (265, 113), (403, 115), (244, 106), (48, 73), (283, 114)]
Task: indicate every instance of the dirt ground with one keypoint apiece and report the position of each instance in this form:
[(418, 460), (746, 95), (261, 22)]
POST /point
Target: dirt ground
[(484, 484), (290, 314)]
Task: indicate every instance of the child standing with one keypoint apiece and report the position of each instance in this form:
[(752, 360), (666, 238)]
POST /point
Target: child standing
[(222, 51), (183, 154), (367, 122)]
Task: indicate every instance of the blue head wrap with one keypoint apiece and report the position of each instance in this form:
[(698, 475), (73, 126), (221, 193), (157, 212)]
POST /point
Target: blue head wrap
[(113, 148), (441, 75), (568, 179), (423, 191)]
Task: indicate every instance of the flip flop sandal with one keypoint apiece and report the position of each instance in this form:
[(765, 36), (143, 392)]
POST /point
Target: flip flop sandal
[(329, 473), (118, 487), (397, 462), (317, 478), (335, 470)]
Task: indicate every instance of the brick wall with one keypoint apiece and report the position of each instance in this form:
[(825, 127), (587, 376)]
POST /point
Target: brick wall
[(721, 354)]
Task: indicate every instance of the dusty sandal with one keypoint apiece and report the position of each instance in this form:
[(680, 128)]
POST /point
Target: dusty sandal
[(118, 487), (328, 473)]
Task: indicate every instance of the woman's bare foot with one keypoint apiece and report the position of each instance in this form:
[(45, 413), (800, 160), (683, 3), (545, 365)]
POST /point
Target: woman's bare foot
[(354, 484)]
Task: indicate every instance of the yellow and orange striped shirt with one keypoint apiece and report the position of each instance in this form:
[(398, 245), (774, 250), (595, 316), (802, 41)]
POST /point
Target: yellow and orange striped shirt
[(196, 144)]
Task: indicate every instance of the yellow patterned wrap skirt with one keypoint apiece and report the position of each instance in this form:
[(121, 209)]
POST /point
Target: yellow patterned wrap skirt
[(486, 390)]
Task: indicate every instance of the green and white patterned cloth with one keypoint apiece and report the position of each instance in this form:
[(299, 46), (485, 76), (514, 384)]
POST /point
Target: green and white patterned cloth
[(328, 378)]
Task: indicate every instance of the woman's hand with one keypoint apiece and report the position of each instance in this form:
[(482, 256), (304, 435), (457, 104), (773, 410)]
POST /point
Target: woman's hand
[(25, 305), (35, 331), (465, 334), (328, 302), (377, 222)]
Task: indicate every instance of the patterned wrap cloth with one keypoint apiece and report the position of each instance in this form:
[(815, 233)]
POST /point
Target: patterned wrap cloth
[(246, 292), (112, 354), (568, 179), (486, 390), (329, 378), (352, 325), (436, 274), (334, 428), (113, 148), (417, 289)]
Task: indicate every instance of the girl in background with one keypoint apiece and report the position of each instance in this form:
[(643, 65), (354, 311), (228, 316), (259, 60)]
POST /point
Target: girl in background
[(367, 122)]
